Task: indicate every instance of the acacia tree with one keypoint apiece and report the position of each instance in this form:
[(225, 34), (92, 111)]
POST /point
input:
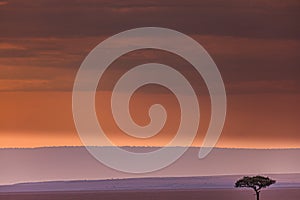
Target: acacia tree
[(255, 182)]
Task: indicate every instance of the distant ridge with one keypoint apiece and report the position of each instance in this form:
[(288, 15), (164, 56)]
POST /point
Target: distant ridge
[(157, 183), (75, 163)]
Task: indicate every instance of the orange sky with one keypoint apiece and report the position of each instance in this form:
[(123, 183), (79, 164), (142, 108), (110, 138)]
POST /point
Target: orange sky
[(31, 119), (43, 44)]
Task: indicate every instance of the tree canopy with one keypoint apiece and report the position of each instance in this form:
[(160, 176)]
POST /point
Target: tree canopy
[(255, 182)]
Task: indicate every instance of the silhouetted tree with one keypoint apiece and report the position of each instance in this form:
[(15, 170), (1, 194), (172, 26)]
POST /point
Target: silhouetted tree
[(255, 182)]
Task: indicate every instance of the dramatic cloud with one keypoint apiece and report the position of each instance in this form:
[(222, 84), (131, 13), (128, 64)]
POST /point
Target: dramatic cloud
[(255, 45), (3, 3), (244, 63), (262, 19)]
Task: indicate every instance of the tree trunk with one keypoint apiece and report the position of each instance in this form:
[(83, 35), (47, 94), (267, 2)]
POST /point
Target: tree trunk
[(257, 195)]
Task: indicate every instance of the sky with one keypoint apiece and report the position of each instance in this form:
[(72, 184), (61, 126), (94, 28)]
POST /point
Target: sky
[(255, 45)]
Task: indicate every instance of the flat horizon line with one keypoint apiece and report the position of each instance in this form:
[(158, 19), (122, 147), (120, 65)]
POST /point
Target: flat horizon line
[(242, 148)]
